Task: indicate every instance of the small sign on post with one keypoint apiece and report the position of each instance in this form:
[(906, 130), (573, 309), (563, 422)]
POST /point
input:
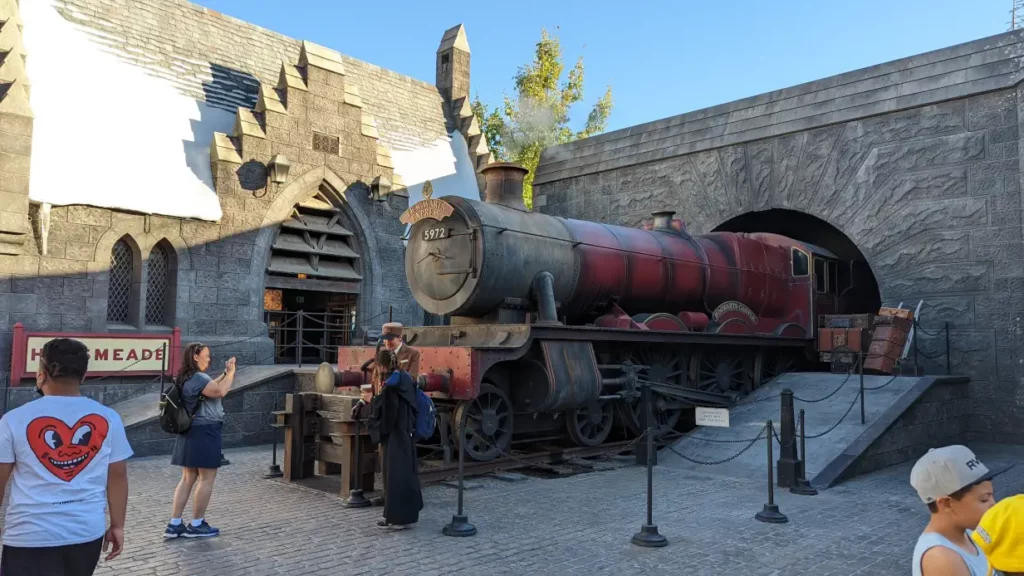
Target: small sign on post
[(716, 417)]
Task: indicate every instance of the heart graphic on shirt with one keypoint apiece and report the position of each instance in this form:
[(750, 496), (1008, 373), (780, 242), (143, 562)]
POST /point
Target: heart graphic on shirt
[(65, 451)]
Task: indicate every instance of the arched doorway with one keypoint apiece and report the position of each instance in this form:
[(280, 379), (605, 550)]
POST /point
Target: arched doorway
[(314, 278), (859, 293)]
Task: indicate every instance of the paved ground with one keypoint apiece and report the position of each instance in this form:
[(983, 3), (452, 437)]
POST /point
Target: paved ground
[(575, 525)]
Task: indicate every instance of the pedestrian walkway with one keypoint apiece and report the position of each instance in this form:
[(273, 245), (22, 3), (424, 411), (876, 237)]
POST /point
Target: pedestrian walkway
[(576, 525)]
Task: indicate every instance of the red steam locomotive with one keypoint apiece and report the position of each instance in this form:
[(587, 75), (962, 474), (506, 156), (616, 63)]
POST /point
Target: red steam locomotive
[(552, 321)]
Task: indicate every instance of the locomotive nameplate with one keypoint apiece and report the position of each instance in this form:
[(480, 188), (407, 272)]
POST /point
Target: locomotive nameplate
[(429, 208), (733, 306)]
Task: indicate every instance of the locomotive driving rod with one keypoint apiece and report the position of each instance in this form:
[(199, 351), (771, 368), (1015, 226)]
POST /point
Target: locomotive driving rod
[(698, 397)]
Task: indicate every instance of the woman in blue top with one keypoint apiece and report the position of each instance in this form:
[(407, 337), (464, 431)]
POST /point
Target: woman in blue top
[(198, 450)]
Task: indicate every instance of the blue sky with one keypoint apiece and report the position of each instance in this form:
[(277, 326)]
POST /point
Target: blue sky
[(661, 58)]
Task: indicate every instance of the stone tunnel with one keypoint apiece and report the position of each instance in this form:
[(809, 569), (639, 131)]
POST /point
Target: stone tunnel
[(911, 168)]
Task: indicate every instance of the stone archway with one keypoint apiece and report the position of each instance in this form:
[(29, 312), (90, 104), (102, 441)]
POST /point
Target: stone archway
[(330, 187), (862, 295)]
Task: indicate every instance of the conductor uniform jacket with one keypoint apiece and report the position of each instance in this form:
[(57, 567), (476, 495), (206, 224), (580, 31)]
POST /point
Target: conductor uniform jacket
[(408, 361)]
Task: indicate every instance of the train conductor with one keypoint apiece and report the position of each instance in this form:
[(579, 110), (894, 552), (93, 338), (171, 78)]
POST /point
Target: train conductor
[(408, 361)]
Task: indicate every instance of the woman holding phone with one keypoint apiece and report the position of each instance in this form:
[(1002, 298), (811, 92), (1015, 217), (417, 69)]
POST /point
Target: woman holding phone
[(198, 450)]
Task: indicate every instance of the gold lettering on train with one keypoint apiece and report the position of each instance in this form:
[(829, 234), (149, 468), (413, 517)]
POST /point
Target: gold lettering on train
[(429, 208)]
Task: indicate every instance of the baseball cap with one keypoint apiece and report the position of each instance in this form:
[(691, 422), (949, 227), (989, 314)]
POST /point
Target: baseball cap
[(943, 471), (1000, 534)]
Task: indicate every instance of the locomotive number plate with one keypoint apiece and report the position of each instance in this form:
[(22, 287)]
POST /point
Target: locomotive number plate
[(435, 233)]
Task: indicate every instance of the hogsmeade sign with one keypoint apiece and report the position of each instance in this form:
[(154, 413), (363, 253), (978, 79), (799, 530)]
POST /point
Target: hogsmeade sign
[(109, 354)]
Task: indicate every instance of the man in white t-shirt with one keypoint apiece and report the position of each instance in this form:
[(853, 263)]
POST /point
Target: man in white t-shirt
[(67, 456)]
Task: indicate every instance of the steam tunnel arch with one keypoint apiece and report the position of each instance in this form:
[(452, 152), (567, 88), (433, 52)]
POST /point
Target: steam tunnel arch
[(859, 289)]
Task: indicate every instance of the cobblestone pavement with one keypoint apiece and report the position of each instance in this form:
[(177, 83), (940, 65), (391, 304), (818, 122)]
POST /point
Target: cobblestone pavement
[(575, 525)]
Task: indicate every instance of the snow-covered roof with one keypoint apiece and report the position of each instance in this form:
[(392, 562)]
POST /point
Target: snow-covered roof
[(127, 95)]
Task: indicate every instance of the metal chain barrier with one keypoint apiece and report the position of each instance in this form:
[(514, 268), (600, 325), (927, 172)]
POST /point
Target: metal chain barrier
[(880, 386), (750, 444), (779, 441), (836, 425), (833, 393)]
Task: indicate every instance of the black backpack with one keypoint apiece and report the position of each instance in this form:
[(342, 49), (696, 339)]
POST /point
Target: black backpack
[(174, 416)]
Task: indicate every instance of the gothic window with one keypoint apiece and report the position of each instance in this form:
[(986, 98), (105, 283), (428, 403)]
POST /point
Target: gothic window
[(122, 274), (158, 282)]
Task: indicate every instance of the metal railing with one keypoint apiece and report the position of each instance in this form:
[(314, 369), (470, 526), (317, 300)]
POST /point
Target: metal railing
[(310, 337)]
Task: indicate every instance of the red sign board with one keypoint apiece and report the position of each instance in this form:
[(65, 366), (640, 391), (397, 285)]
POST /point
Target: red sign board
[(109, 354)]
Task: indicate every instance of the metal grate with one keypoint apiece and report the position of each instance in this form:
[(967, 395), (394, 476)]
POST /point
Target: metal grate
[(325, 143), (157, 287), (119, 294)]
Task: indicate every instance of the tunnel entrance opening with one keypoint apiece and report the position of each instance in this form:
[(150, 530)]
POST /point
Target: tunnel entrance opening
[(860, 294)]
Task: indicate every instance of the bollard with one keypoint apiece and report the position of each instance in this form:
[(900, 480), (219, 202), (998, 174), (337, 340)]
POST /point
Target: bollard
[(355, 495), (770, 513), (460, 526), (802, 486), (648, 536), (642, 457), (789, 464)]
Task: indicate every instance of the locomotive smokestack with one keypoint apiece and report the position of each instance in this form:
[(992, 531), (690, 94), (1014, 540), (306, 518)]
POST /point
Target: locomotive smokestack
[(505, 184), (663, 220)]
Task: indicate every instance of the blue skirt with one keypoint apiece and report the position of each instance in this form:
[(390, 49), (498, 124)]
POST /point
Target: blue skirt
[(199, 447)]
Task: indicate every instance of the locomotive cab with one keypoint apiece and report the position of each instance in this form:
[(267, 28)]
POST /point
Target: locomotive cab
[(822, 268)]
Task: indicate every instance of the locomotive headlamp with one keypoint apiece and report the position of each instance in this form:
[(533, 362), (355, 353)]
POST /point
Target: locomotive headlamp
[(279, 166), (379, 189)]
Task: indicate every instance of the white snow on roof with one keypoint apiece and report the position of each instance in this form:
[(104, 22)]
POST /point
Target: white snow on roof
[(108, 134)]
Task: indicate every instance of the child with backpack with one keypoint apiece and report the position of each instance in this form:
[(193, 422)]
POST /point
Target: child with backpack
[(394, 415)]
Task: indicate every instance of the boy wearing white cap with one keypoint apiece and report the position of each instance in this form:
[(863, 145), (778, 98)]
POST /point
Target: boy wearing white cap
[(957, 488)]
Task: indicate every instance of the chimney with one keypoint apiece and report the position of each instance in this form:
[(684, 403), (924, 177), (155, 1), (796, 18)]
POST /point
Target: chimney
[(505, 184), (663, 220)]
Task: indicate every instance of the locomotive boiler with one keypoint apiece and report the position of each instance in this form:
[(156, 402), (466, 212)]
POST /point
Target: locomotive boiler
[(553, 321)]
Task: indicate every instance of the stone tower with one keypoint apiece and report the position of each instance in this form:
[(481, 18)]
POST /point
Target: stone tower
[(453, 84), (453, 64), (15, 130)]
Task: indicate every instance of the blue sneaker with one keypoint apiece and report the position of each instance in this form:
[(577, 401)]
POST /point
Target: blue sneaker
[(173, 531), (204, 530)]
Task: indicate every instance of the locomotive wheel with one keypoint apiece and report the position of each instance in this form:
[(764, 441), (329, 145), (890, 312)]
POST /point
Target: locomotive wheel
[(488, 423), (590, 425), (768, 366), (720, 372), (663, 367)]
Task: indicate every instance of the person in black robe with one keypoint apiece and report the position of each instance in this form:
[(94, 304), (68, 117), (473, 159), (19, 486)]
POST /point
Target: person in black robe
[(391, 425)]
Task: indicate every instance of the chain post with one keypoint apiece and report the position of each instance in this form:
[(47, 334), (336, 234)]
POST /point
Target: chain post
[(770, 513), (648, 536), (459, 526), (802, 486), (861, 362)]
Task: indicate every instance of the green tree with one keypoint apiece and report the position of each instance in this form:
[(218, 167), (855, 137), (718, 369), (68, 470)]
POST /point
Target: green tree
[(519, 129)]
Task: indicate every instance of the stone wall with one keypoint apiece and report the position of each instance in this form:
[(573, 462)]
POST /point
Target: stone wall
[(930, 194), (109, 391), (940, 417)]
